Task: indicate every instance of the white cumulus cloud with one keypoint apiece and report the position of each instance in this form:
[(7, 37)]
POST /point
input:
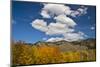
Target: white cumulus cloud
[(52, 39), (51, 10), (63, 25), (56, 29), (73, 36), (65, 20), (45, 14), (55, 9), (68, 37), (51, 29), (80, 11), (40, 25)]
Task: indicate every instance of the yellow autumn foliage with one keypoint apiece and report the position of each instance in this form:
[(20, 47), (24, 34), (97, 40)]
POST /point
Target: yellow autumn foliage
[(47, 54), (23, 54)]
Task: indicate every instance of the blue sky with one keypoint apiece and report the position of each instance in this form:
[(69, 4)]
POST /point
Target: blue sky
[(23, 13)]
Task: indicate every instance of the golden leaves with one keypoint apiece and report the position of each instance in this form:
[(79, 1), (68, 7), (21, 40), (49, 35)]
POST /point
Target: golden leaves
[(24, 54)]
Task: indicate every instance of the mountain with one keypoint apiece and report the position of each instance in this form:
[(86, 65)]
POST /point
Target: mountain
[(71, 46)]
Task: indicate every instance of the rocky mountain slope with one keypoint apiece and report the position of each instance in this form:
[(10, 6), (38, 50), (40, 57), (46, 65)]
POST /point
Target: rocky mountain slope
[(71, 46)]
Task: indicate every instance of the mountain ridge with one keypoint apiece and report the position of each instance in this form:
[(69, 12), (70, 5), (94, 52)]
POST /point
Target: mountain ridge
[(70, 46)]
